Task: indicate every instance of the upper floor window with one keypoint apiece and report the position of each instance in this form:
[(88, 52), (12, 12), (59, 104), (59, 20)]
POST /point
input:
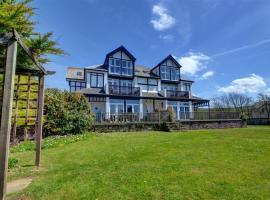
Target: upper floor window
[(148, 84), (169, 87), (118, 82), (76, 85), (120, 66), (95, 80), (114, 66), (169, 73), (187, 87), (79, 73)]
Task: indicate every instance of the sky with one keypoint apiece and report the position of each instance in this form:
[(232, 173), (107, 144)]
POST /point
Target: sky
[(223, 45)]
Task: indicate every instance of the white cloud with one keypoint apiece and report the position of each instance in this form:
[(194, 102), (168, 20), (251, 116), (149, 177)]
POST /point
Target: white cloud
[(267, 91), (207, 74), (164, 20), (193, 63), (250, 84)]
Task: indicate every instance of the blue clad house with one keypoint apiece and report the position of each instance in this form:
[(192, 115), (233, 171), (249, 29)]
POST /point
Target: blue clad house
[(120, 86)]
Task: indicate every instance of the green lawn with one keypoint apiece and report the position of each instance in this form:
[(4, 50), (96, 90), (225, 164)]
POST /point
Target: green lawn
[(206, 164)]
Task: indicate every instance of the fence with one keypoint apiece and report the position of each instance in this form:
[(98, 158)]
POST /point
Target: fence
[(163, 116)]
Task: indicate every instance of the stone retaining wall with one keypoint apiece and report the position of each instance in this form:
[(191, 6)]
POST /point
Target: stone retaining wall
[(187, 125)]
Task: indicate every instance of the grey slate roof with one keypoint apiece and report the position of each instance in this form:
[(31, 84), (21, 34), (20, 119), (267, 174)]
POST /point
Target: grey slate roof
[(100, 67), (92, 91), (151, 94), (143, 71)]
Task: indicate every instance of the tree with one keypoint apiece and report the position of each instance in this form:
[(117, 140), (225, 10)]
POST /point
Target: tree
[(264, 99), (66, 113), (15, 14), (232, 101)]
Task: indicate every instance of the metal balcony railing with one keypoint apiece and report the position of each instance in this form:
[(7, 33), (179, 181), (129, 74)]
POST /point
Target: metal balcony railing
[(177, 94), (124, 90)]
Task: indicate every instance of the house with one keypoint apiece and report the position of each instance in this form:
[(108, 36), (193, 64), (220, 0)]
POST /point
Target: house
[(119, 85)]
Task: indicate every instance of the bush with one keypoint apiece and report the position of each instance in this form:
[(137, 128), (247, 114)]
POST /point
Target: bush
[(12, 162), (66, 113)]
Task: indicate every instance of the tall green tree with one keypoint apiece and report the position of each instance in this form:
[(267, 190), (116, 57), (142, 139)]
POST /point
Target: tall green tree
[(17, 14)]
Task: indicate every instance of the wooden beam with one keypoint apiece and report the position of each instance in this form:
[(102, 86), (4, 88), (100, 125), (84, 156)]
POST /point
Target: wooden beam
[(7, 113), (39, 119), (29, 52), (27, 107), (5, 37), (14, 128)]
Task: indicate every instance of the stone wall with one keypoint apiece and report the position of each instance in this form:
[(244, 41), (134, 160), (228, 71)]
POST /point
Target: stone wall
[(213, 124), (186, 125)]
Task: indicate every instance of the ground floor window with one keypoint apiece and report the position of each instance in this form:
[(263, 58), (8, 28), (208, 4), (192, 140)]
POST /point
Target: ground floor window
[(132, 106), (122, 105), (181, 109)]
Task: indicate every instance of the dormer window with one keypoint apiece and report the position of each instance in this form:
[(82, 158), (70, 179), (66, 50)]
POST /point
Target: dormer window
[(187, 87), (114, 65), (169, 73), (126, 67), (120, 66)]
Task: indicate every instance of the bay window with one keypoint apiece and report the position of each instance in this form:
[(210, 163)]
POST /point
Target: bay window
[(95, 80)]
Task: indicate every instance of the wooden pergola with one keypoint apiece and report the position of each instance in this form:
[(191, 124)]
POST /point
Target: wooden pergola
[(10, 42)]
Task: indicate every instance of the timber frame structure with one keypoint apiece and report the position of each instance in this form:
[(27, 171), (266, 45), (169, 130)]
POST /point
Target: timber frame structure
[(10, 42)]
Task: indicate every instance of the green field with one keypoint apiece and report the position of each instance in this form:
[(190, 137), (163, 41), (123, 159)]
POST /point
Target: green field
[(206, 164)]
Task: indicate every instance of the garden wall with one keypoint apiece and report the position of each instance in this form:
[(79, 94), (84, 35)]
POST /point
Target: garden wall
[(184, 125)]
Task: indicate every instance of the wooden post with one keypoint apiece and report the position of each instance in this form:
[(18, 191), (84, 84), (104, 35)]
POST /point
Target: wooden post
[(7, 113), (14, 129), (39, 119), (27, 107)]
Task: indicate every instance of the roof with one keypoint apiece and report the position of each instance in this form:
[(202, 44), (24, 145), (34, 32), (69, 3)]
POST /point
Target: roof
[(152, 94), (198, 98), (92, 91), (168, 57), (144, 72), (99, 67), (121, 48)]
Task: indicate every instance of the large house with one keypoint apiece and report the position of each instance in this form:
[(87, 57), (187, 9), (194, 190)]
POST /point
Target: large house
[(119, 85)]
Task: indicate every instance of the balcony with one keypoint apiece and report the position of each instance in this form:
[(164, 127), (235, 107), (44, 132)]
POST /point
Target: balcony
[(177, 94), (124, 90)]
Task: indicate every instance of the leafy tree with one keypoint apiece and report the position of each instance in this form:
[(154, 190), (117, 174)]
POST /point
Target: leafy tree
[(66, 113), (15, 14)]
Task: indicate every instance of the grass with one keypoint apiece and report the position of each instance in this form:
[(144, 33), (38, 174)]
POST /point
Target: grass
[(205, 164)]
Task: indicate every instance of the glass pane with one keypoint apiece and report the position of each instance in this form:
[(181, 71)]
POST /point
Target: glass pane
[(113, 108), (124, 63), (129, 108), (117, 70), (117, 62), (72, 83), (100, 80), (152, 81), (136, 108), (142, 80), (120, 108), (93, 80)]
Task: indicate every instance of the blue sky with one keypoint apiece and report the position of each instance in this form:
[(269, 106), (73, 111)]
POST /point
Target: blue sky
[(223, 45)]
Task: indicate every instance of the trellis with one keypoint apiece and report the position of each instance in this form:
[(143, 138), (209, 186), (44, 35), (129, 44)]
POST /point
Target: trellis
[(10, 42)]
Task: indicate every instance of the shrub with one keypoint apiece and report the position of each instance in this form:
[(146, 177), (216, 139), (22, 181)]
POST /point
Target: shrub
[(172, 114), (12, 162), (66, 113)]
